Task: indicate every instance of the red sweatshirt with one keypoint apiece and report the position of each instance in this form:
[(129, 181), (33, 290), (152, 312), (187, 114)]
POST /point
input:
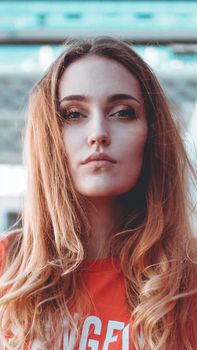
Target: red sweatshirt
[(107, 325)]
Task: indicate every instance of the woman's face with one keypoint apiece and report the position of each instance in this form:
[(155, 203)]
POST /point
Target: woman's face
[(105, 127)]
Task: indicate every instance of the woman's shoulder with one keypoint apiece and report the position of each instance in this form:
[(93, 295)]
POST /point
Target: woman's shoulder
[(7, 241)]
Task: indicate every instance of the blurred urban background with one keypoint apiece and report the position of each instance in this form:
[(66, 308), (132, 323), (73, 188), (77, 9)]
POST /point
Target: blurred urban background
[(164, 33)]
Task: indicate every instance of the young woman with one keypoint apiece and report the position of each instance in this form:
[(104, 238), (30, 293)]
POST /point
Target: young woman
[(106, 257)]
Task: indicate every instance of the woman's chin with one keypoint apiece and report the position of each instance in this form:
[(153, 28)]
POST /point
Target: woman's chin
[(102, 191)]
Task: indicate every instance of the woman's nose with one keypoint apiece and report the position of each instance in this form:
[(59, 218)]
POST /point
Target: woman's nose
[(99, 135)]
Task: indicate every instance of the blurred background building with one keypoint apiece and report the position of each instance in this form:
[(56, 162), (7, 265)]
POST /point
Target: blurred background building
[(164, 33)]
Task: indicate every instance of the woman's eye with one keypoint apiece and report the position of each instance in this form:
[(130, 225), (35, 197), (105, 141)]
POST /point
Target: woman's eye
[(127, 113), (72, 115)]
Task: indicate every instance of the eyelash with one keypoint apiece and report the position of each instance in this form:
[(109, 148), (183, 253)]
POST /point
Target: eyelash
[(125, 113), (67, 114)]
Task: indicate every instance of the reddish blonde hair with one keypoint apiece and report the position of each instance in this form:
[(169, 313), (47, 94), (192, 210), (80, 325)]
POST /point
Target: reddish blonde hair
[(154, 243)]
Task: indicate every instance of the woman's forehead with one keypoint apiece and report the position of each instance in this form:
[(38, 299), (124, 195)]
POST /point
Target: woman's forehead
[(98, 77)]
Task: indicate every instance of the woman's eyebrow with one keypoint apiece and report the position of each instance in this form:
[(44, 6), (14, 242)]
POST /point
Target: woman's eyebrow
[(75, 98), (116, 97), (110, 98)]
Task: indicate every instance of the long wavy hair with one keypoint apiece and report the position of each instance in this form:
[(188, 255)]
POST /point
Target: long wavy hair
[(155, 243)]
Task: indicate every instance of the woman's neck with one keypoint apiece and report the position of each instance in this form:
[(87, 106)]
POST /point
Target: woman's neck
[(104, 215)]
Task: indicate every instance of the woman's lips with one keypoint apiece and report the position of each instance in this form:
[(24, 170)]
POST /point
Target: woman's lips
[(99, 158), (99, 164)]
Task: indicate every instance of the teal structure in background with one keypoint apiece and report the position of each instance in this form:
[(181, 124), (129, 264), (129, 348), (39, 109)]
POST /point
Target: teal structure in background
[(52, 21), (36, 58), (31, 32)]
